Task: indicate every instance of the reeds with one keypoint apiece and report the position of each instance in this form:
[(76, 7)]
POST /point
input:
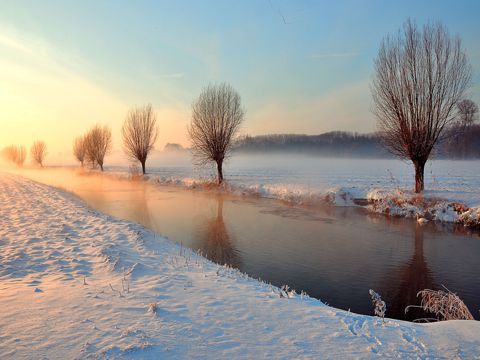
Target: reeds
[(445, 305)]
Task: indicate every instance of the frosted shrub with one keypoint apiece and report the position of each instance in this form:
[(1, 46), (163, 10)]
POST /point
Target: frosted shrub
[(444, 304), (379, 306)]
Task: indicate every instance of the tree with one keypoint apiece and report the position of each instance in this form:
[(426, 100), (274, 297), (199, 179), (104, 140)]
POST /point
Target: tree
[(15, 154), (139, 133), (38, 151), (216, 118), (420, 77), (20, 154), (98, 143), (79, 149), (460, 140), (467, 111)]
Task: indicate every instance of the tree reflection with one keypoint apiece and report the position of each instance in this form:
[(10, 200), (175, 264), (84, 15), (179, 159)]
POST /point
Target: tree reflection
[(414, 276), (215, 242), (139, 201)]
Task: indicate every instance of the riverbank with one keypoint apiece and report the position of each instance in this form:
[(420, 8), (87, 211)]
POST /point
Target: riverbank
[(81, 283), (448, 204), (378, 185)]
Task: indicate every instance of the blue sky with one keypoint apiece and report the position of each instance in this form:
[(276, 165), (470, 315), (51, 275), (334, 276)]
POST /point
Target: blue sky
[(300, 66)]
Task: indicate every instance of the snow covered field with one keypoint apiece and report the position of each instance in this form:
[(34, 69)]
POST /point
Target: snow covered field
[(301, 179), (79, 284)]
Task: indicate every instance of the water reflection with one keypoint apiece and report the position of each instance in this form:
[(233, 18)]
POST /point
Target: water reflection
[(214, 240), (140, 206), (412, 277)]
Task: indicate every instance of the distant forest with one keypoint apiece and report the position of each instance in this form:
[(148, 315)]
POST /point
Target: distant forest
[(466, 145)]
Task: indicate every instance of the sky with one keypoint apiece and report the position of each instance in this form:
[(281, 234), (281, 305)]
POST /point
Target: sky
[(300, 66)]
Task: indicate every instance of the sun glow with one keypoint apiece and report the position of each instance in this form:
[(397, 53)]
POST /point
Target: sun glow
[(40, 98)]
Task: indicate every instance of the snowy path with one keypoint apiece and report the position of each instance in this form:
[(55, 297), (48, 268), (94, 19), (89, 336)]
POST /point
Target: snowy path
[(78, 284)]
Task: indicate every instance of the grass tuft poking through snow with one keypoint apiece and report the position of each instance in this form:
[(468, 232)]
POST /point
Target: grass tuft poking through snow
[(445, 305), (379, 306), (152, 308)]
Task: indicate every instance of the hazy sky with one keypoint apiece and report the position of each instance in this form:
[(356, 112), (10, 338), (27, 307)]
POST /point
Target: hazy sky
[(300, 66)]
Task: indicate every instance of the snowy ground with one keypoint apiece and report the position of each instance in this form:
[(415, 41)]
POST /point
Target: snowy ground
[(452, 187), (79, 284)]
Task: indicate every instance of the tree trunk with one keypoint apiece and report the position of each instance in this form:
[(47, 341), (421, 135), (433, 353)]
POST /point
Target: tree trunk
[(143, 166), (101, 166), (220, 171), (419, 171)]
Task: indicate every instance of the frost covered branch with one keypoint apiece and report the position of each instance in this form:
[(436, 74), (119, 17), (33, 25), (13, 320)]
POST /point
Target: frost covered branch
[(379, 306)]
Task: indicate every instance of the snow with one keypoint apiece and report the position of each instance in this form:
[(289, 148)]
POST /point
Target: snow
[(383, 186), (422, 207), (79, 284)]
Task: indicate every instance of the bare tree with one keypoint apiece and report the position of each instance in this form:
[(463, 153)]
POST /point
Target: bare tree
[(216, 118), (20, 155), (98, 143), (467, 111), (8, 153), (15, 154), (38, 151), (460, 139), (420, 77), (468, 114), (139, 133), (79, 149)]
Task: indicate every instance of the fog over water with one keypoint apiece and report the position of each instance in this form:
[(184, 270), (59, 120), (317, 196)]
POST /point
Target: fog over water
[(314, 172)]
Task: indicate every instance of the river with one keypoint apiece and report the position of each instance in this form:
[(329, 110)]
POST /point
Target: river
[(335, 254)]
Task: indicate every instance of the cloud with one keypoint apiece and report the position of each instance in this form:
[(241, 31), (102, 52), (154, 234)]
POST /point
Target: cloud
[(333, 55)]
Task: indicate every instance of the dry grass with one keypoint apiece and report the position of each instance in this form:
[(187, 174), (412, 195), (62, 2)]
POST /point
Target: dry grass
[(152, 308), (379, 306), (417, 200), (419, 206), (445, 305), (286, 292), (134, 172), (460, 208), (211, 185)]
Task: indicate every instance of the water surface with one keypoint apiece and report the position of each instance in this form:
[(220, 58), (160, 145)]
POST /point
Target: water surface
[(334, 254)]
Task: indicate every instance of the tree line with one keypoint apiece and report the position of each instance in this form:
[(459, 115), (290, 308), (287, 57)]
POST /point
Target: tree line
[(17, 154), (92, 147), (464, 144), (335, 143), (216, 118), (139, 133)]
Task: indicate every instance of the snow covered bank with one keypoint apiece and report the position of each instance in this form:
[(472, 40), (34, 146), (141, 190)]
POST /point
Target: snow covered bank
[(459, 205), (79, 284), (424, 207)]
